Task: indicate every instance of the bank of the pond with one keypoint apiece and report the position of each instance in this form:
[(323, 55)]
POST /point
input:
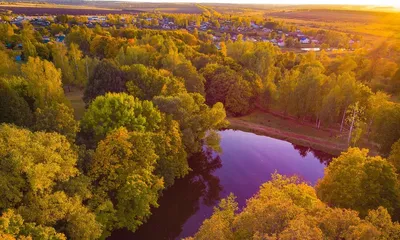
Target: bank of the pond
[(300, 139), (246, 162)]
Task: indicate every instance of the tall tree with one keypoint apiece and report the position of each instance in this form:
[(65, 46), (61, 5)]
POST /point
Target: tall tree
[(43, 82), (57, 118), (123, 173), (357, 181), (115, 110), (107, 77), (194, 116)]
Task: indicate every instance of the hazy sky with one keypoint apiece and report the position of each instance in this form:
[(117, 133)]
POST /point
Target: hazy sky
[(395, 3)]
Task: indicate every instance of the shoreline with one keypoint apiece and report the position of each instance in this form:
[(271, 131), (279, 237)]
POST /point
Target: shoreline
[(295, 138)]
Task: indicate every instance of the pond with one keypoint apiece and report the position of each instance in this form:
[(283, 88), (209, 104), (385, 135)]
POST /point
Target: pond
[(246, 162)]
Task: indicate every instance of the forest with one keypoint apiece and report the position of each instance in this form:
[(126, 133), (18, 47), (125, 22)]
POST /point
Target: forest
[(152, 98)]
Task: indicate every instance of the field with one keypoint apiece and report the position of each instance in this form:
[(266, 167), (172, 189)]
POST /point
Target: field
[(373, 25), (187, 8), (75, 98), (50, 9), (326, 15), (100, 8)]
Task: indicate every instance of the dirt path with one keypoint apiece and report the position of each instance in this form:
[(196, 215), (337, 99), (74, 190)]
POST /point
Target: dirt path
[(304, 140)]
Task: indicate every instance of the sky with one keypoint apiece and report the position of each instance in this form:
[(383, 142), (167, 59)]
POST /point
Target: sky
[(394, 3)]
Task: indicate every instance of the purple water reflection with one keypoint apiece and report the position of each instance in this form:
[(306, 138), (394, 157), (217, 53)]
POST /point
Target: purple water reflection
[(247, 161)]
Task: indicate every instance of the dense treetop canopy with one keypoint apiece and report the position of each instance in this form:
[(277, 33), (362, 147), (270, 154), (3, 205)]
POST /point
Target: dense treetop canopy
[(153, 98)]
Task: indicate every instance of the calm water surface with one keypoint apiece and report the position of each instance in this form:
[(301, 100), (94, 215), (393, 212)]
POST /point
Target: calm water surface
[(247, 161)]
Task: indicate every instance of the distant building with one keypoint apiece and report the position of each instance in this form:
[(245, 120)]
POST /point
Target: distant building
[(45, 39), (310, 49), (255, 26), (93, 18), (60, 37), (305, 40)]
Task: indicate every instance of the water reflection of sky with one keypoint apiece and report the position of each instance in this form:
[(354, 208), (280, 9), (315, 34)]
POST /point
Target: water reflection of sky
[(247, 161)]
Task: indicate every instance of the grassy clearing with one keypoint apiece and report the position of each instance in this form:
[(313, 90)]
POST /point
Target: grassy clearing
[(75, 97), (327, 140)]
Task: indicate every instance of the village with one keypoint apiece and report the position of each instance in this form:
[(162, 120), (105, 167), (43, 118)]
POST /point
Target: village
[(217, 30)]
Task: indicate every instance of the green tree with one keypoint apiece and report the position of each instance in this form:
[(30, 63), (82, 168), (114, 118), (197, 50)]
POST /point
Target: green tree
[(220, 224), (107, 77), (195, 118), (61, 61), (43, 82), (238, 100), (394, 156), (286, 208), (123, 173), (12, 226), (57, 118), (144, 82), (194, 82), (169, 146), (287, 86), (219, 79), (7, 65), (13, 107), (357, 181), (78, 65), (395, 82), (39, 161), (30, 176), (115, 110), (29, 50), (385, 129)]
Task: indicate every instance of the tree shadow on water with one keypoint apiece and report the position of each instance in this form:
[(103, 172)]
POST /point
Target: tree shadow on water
[(181, 201), (323, 157)]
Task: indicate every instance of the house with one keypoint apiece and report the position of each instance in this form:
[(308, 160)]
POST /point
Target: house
[(266, 30), (281, 43), (93, 18), (166, 26), (18, 58), (60, 37), (255, 26), (305, 40), (251, 39), (45, 39), (215, 38)]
